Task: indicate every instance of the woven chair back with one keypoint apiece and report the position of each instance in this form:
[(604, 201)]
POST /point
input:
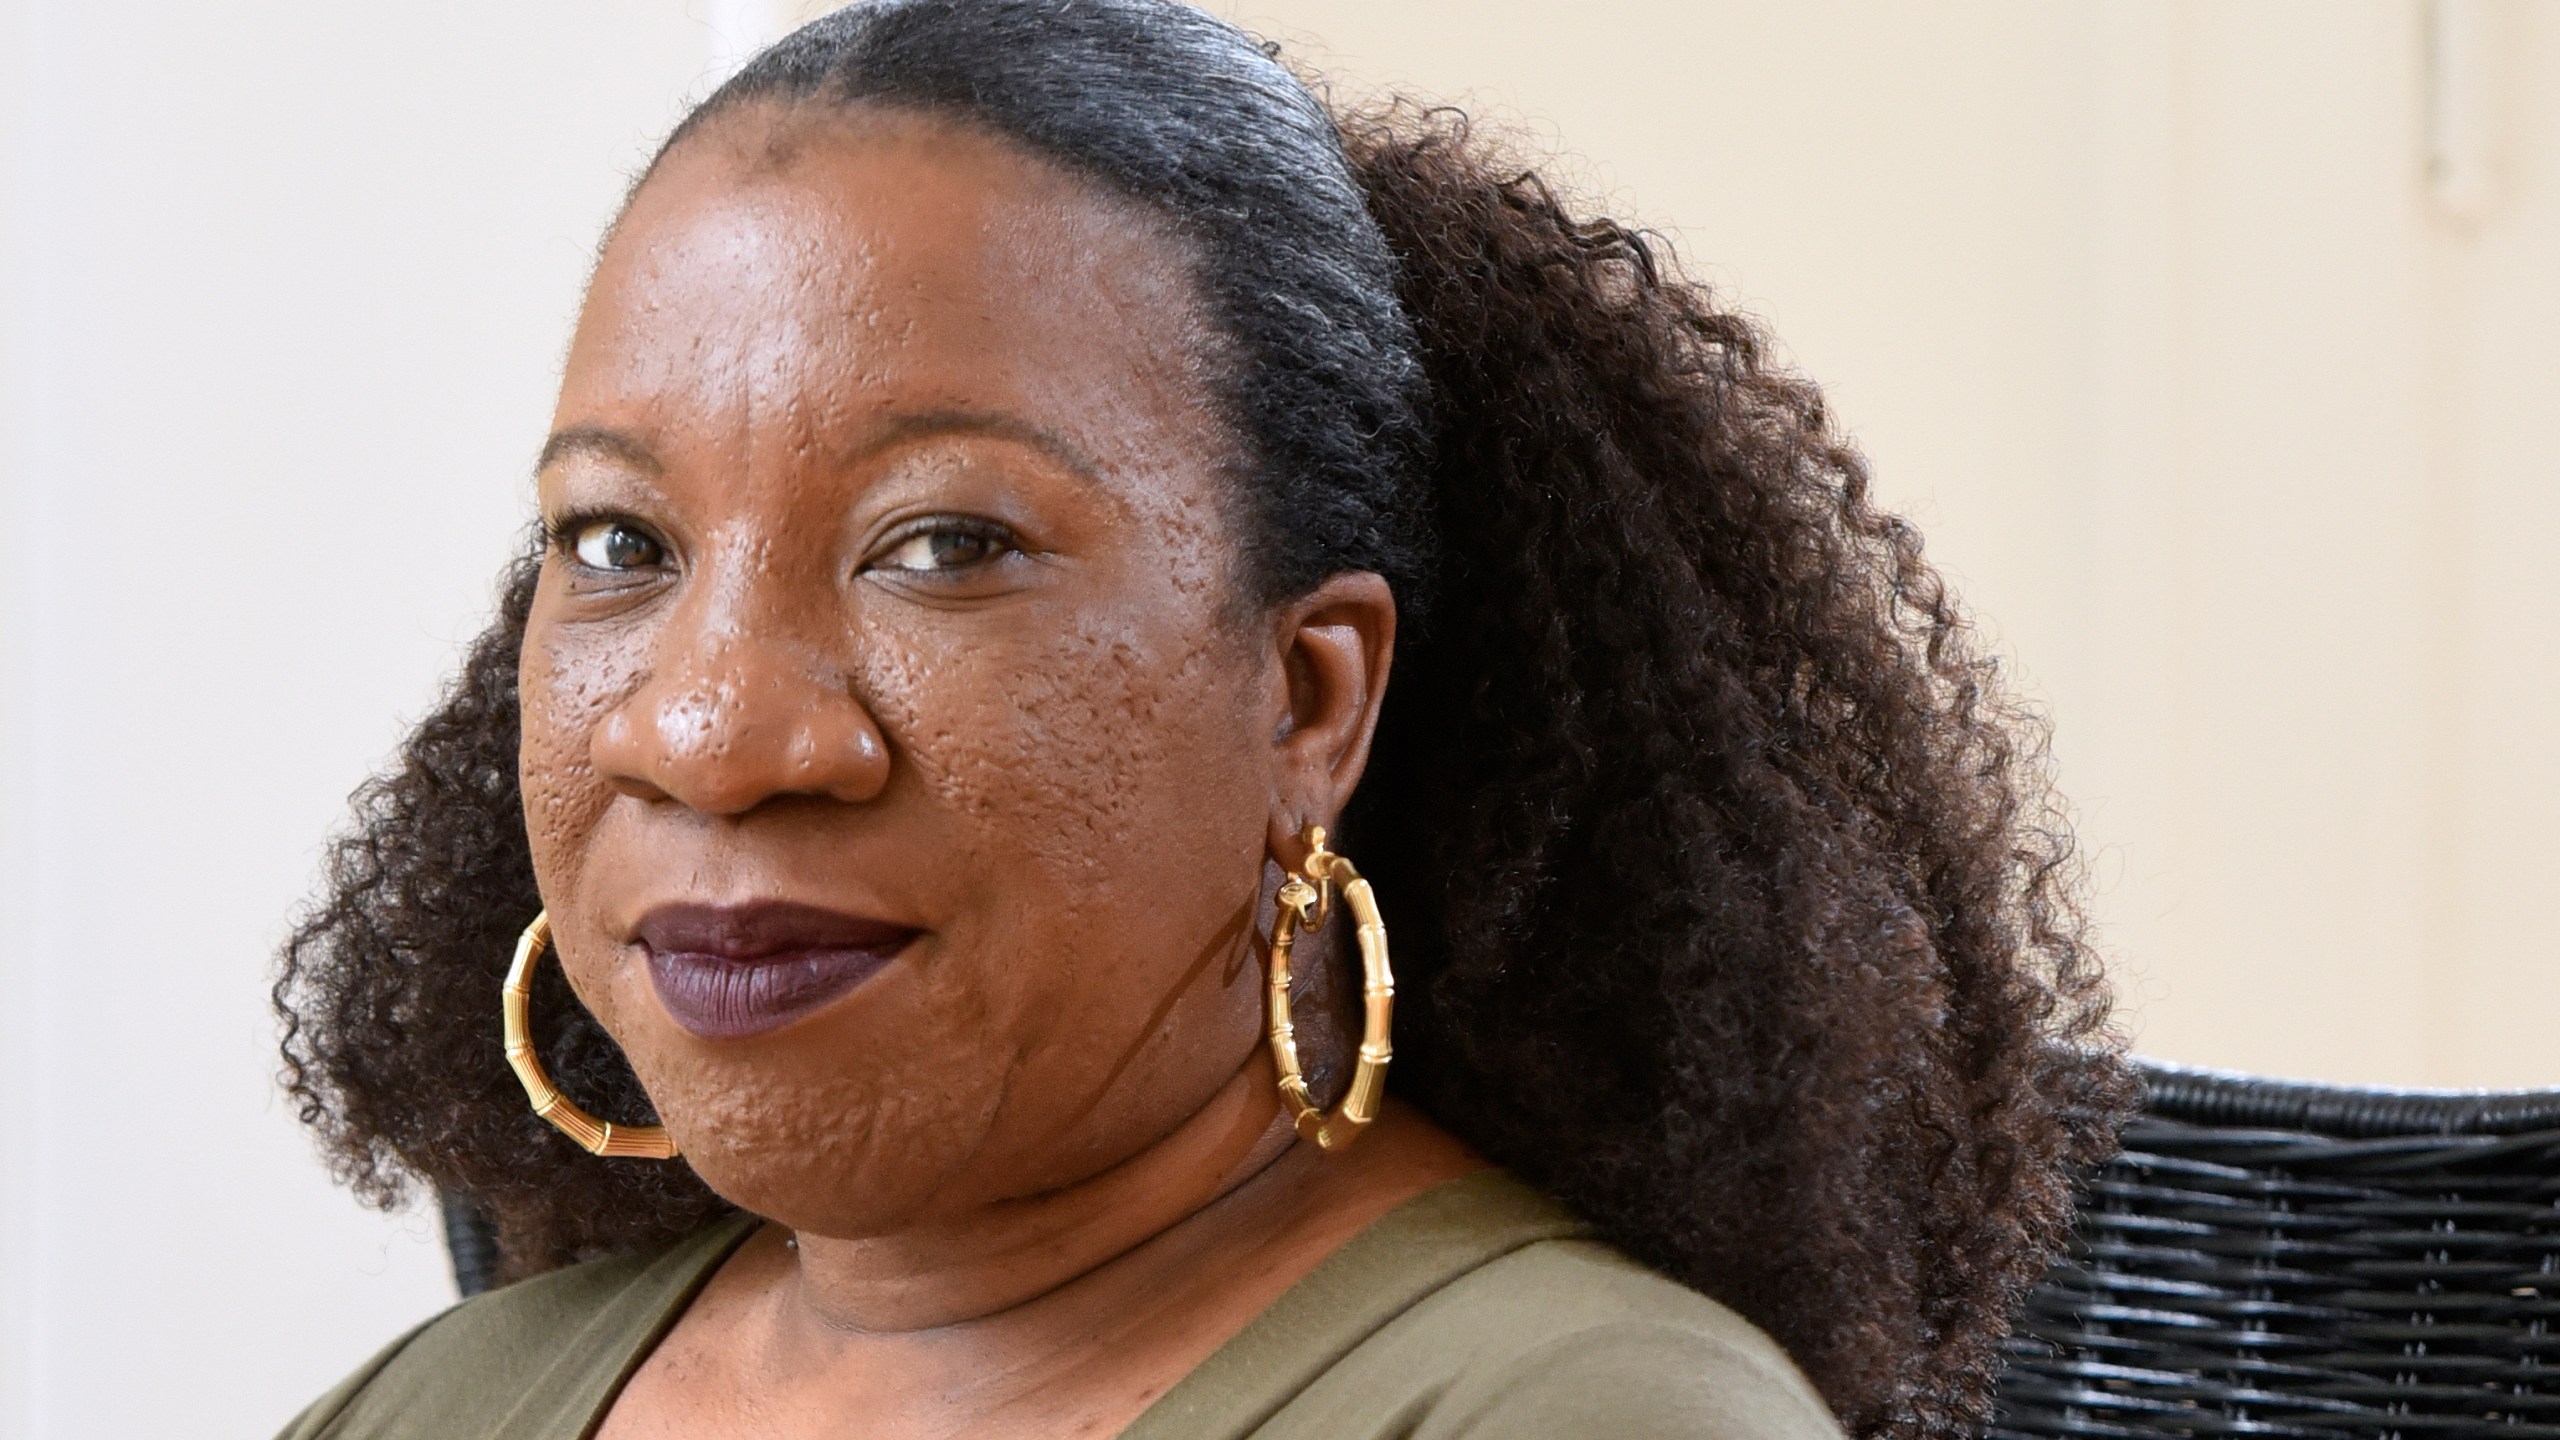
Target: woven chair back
[(471, 1243), (2324, 1262)]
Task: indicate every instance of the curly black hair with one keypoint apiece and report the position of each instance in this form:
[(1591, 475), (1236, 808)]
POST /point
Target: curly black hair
[(1733, 907)]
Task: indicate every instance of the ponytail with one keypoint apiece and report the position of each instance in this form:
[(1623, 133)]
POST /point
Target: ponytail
[(1745, 930)]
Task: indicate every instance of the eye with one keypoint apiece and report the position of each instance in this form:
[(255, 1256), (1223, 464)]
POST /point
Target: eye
[(943, 545), (614, 545)]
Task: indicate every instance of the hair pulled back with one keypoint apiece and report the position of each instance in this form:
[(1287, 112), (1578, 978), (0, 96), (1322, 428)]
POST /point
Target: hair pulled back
[(1730, 906)]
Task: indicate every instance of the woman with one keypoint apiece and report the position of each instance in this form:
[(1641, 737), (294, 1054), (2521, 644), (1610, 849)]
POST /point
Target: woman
[(1006, 451)]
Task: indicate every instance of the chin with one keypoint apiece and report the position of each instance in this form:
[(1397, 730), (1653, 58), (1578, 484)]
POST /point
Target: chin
[(829, 1157)]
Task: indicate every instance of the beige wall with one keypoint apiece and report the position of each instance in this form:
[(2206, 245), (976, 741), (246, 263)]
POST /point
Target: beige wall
[(2233, 427)]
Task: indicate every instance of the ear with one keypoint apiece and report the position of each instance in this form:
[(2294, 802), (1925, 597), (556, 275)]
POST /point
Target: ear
[(1335, 644)]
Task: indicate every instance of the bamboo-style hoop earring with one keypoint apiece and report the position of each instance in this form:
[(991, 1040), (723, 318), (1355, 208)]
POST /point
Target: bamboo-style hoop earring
[(600, 1137), (1306, 902)]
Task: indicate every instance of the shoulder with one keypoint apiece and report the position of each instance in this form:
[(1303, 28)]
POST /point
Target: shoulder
[(1565, 1337), (1572, 1337), (487, 1365)]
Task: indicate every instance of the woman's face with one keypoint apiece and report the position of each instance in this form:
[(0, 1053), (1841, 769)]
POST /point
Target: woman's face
[(899, 761)]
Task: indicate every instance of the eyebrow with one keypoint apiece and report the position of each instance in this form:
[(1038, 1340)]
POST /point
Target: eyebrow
[(614, 445), (981, 422), (600, 443)]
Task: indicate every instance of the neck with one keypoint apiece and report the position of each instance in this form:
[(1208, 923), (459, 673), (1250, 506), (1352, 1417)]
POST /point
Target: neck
[(1231, 1189)]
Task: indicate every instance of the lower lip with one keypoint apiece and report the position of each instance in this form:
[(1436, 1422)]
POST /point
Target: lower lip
[(722, 999)]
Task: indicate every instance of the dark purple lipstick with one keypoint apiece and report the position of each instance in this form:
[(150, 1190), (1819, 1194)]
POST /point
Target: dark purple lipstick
[(725, 971)]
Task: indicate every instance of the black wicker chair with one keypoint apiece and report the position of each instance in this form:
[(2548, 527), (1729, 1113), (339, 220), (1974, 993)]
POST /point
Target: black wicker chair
[(2271, 1259), (472, 1245), (2328, 1262)]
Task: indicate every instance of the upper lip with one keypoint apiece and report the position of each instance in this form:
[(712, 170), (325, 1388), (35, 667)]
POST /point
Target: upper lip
[(760, 928)]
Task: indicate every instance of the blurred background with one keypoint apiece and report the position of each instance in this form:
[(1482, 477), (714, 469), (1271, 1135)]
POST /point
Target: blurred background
[(2215, 345)]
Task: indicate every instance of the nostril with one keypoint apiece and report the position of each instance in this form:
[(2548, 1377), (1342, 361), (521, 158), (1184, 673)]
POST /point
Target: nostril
[(622, 759), (837, 753), (724, 745), (864, 744), (615, 732)]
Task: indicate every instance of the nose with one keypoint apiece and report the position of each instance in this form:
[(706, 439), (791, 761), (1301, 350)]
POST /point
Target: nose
[(725, 728)]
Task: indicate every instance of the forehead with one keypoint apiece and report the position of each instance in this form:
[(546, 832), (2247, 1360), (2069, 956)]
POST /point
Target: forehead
[(823, 268)]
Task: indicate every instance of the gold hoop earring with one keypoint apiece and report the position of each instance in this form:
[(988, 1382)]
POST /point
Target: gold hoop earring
[(600, 1137), (1306, 902)]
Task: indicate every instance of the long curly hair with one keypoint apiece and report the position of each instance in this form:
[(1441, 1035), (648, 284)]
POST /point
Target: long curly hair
[(1732, 904)]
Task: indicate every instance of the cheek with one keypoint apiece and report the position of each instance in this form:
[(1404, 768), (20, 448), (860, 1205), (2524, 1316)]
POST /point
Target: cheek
[(565, 685), (1092, 765), (1108, 798)]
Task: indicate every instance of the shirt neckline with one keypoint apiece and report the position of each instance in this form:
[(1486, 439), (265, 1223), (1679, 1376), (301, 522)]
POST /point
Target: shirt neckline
[(1386, 1268), (1392, 1264)]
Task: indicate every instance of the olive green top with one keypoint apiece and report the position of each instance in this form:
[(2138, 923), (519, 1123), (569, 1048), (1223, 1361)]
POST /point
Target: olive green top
[(1478, 1310)]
